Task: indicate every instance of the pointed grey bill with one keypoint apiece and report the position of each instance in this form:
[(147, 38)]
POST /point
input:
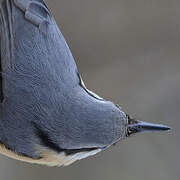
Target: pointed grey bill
[(140, 126)]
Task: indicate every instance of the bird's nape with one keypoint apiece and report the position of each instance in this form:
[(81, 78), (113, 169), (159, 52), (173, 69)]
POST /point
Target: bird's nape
[(136, 126)]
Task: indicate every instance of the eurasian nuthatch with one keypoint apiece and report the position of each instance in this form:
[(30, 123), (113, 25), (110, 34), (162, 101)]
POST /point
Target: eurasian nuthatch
[(47, 115)]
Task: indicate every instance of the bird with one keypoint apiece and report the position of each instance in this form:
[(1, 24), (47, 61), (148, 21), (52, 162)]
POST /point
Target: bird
[(47, 115)]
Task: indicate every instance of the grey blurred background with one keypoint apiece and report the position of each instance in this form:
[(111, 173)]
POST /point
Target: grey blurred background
[(127, 51)]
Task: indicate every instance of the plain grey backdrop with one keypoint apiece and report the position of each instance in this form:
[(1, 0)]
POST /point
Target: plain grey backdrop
[(127, 51)]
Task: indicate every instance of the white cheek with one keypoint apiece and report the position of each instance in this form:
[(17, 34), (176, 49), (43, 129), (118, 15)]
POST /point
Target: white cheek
[(79, 156), (49, 157)]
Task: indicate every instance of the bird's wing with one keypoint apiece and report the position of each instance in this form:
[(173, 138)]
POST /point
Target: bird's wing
[(36, 69), (35, 12), (32, 46)]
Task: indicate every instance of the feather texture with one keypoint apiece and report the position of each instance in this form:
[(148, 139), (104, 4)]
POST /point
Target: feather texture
[(42, 92)]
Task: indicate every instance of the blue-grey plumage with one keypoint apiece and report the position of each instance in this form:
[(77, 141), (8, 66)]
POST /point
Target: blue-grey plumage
[(47, 115)]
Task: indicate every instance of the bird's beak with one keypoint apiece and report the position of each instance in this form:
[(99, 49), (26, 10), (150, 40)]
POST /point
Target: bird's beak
[(136, 126)]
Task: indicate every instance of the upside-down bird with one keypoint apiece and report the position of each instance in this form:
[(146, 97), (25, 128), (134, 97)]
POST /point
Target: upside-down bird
[(47, 115)]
